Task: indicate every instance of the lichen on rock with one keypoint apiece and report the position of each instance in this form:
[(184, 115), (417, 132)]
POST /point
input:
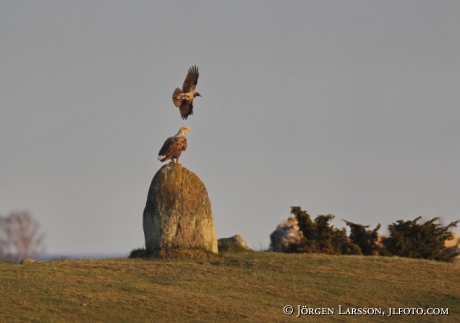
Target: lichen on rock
[(178, 211)]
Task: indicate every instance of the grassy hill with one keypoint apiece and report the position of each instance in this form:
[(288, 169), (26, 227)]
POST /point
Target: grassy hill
[(235, 287)]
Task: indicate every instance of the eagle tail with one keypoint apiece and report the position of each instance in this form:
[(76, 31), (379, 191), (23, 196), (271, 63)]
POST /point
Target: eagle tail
[(176, 97)]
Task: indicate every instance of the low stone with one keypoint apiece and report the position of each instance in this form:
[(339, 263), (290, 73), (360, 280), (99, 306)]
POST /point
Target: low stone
[(235, 240)]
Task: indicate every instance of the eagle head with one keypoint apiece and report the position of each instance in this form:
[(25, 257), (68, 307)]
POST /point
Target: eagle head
[(184, 130)]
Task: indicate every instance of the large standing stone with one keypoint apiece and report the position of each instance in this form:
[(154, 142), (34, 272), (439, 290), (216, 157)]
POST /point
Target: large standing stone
[(178, 211)]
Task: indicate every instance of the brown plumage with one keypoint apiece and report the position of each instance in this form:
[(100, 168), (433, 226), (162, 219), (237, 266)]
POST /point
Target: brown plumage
[(174, 146), (184, 99)]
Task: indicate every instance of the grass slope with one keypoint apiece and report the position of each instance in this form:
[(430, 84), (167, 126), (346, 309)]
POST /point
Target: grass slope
[(236, 287)]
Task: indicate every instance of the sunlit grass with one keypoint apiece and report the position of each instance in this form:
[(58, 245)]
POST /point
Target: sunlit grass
[(234, 287)]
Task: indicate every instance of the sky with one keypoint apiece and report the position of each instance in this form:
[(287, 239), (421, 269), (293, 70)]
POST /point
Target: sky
[(348, 108)]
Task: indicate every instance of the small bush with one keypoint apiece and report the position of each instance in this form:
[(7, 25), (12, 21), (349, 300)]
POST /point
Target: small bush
[(413, 240), (368, 241)]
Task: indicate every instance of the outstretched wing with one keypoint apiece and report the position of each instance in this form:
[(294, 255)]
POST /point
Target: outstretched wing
[(173, 146), (191, 80), (186, 109)]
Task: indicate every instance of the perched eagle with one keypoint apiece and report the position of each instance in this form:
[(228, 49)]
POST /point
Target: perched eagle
[(174, 146), (184, 99)]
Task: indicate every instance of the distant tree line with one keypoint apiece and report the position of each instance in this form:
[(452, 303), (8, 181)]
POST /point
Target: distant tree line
[(20, 237), (406, 239)]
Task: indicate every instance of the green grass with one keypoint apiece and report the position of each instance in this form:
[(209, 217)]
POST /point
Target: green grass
[(234, 287)]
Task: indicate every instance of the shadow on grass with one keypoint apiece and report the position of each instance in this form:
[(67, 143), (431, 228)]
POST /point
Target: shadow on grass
[(188, 253), (233, 247), (174, 253)]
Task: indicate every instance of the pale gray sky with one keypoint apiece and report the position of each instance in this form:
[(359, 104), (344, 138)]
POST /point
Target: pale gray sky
[(342, 107)]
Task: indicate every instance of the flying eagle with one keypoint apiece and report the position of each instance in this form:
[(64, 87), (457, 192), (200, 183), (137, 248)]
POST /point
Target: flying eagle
[(184, 99), (174, 146)]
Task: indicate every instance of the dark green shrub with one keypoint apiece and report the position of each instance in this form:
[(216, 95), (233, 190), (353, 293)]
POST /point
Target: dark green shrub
[(413, 240), (368, 241), (407, 238)]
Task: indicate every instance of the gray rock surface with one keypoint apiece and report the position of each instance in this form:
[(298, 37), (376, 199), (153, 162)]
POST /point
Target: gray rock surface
[(178, 211), (286, 232)]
